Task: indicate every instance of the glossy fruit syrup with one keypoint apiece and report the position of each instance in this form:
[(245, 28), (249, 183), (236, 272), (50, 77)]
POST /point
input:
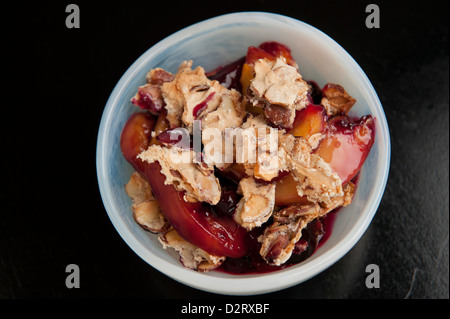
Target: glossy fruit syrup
[(313, 236)]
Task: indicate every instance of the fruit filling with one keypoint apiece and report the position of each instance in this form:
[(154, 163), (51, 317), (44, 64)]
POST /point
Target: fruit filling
[(243, 168)]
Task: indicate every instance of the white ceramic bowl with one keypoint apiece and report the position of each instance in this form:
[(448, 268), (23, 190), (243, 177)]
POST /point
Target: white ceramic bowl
[(215, 42)]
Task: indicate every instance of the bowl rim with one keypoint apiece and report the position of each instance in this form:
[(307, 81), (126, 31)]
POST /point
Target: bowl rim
[(242, 284)]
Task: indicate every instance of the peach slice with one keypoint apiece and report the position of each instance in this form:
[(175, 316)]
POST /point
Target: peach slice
[(286, 192), (347, 144), (196, 222), (246, 76), (309, 121)]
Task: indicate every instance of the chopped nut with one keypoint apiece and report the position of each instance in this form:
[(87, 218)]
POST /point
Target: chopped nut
[(191, 256), (315, 139), (344, 200), (256, 205), (280, 115), (158, 76), (139, 189), (230, 113), (279, 239), (336, 100), (349, 193), (148, 215)]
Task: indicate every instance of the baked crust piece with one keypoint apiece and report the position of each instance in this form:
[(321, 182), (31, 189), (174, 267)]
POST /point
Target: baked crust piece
[(191, 96), (336, 100), (191, 256), (145, 207), (256, 204), (314, 176), (181, 171), (280, 89)]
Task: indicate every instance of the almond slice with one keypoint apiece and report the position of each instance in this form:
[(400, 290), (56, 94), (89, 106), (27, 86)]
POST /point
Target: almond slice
[(148, 215), (138, 188), (256, 205), (191, 256)]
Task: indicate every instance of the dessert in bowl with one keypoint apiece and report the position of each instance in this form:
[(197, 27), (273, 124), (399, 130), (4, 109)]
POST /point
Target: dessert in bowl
[(211, 223)]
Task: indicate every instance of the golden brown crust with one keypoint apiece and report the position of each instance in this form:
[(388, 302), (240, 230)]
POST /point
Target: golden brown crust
[(198, 181), (336, 100), (191, 256), (257, 203)]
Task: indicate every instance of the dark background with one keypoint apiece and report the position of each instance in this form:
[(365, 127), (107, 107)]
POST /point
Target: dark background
[(61, 79)]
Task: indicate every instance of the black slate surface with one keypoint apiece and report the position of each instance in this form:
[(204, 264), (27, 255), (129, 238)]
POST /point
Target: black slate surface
[(62, 78)]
